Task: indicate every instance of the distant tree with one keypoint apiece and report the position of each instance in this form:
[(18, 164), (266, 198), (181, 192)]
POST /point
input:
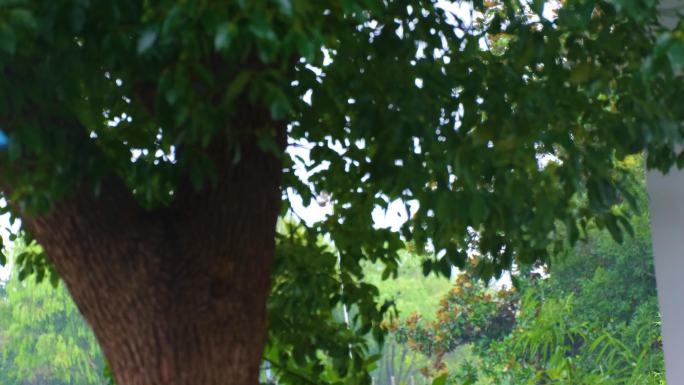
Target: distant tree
[(147, 144), (43, 338), (469, 313), (592, 319), (411, 292)]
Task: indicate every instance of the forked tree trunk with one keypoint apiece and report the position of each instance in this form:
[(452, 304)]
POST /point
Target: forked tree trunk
[(177, 295)]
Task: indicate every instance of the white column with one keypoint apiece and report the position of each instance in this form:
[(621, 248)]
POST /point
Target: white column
[(666, 201)]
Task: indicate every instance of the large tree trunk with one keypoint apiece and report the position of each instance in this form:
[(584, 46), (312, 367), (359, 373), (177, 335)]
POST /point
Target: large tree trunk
[(176, 295)]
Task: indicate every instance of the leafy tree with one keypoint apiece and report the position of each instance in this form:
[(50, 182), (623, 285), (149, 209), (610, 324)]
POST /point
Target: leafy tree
[(609, 281), (591, 319), (43, 338), (147, 154), (550, 346), (469, 313), (411, 292)]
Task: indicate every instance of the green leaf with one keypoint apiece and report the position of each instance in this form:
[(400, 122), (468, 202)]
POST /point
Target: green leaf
[(626, 225), (236, 86), (54, 278), (172, 21), (21, 258), (268, 144), (40, 274), (581, 73), (306, 48), (478, 210), (441, 380), (8, 40), (676, 54), (280, 107), (22, 18), (262, 29), (370, 360), (285, 7), (444, 267), (515, 280), (614, 229), (538, 6), (427, 267), (224, 36), (77, 17), (146, 40)]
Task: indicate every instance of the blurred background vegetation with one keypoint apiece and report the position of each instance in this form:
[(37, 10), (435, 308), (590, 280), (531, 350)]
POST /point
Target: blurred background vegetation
[(43, 339)]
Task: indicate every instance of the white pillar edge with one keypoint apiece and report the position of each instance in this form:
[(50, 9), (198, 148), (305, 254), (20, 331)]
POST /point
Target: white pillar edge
[(666, 205)]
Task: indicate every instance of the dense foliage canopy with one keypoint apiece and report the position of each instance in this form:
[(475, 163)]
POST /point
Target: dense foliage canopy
[(396, 100)]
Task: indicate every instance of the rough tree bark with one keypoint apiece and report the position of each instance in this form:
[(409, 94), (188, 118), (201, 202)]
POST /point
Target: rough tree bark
[(176, 295)]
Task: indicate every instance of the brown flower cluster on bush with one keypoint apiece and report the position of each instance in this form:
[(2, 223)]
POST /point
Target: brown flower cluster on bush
[(471, 312)]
